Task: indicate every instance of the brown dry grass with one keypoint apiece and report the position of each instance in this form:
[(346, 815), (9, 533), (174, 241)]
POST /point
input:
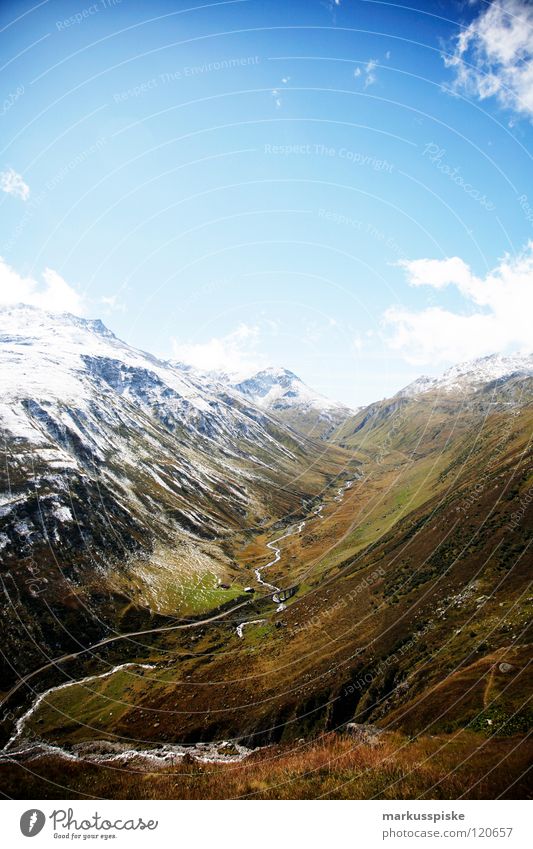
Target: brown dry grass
[(463, 765)]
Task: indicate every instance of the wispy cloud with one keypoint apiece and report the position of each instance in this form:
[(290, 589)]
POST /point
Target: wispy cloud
[(370, 72), (52, 294), (235, 353), (497, 315), (367, 72), (113, 303), (12, 183), (276, 92), (492, 57)]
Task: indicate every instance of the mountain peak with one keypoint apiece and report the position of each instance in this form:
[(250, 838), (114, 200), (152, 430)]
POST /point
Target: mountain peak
[(278, 388), (95, 325), (473, 373), (26, 315), (284, 393), (269, 377)]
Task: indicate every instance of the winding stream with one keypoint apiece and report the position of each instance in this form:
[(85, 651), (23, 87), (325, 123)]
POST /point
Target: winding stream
[(97, 751), (243, 625), (277, 552), (21, 722), (273, 546)]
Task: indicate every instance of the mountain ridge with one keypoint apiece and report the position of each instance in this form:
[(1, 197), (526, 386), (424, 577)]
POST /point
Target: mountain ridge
[(471, 373), (137, 476)]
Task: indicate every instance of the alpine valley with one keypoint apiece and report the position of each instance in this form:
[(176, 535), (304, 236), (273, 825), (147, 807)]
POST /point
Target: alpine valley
[(217, 589)]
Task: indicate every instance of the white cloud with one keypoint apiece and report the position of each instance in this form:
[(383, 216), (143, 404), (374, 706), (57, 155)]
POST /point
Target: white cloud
[(13, 184), (370, 76), (113, 303), (493, 55), (277, 98), (357, 343), (235, 353), (437, 272), (368, 71), (53, 294), (498, 317)]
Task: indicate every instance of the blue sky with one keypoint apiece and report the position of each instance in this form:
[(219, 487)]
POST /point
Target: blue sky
[(341, 188)]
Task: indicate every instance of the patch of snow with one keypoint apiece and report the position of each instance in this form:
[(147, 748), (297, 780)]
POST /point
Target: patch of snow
[(63, 514)]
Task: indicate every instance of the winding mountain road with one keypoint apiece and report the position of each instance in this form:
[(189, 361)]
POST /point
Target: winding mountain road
[(73, 655)]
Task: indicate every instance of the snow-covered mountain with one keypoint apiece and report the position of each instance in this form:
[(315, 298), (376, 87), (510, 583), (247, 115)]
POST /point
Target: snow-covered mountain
[(282, 392), (125, 473), (61, 359), (279, 388), (473, 374), (74, 396)]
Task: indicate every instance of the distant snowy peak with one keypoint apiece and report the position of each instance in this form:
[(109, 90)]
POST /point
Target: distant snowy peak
[(281, 389), (472, 374)]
